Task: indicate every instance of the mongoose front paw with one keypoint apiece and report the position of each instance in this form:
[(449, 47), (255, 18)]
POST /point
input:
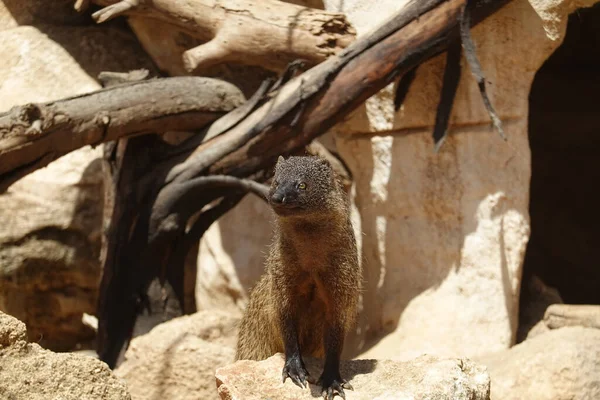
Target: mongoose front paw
[(332, 386), (294, 368)]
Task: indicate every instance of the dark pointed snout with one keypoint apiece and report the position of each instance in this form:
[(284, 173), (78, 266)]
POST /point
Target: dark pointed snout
[(278, 198), (284, 197)]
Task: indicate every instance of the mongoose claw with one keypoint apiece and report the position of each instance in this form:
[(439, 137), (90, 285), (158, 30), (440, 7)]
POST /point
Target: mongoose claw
[(294, 369), (336, 386)]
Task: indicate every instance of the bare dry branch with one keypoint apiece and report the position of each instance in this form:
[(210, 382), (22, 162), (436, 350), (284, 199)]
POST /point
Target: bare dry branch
[(33, 135), (267, 33)]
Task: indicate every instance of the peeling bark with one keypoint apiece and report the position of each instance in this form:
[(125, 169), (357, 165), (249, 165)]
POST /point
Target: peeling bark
[(266, 33), (33, 135)]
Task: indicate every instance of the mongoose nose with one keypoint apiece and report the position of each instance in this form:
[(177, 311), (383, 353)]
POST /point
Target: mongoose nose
[(278, 198)]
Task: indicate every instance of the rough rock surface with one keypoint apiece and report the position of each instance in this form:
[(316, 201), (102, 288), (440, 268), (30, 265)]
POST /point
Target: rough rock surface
[(559, 316), (426, 377), (562, 315), (562, 364), (51, 219), (178, 359), (29, 372)]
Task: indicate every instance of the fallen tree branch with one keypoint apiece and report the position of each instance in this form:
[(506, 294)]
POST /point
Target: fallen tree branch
[(33, 135), (267, 33)]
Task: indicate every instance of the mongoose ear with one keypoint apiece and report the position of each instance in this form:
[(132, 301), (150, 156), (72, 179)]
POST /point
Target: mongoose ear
[(279, 163), (324, 161)]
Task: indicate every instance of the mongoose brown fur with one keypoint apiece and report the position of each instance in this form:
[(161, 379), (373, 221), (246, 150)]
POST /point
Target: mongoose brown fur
[(306, 301)]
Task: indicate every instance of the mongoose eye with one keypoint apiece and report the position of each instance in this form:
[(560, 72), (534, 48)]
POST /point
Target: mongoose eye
[(302, 186)]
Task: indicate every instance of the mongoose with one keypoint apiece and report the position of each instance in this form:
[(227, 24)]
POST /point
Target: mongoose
[(307, 298)]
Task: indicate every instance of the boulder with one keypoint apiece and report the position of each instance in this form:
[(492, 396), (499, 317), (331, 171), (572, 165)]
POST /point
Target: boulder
[(29, 372), (178, 359), (426, 377), (562, 315), (52, 218), (562, 364)]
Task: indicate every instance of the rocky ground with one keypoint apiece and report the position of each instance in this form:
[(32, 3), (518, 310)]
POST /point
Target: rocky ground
[(29, 372), (426, 377)]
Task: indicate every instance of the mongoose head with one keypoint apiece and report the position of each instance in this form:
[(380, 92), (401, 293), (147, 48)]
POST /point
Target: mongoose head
[(303, 186)]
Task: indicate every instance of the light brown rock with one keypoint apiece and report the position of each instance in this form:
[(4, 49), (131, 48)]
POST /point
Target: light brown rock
[(51, 62), (232, 254), (11, 330), (29, 372), (561, 315), (178, 359), (51, 219), (562, 364), (426, 377)]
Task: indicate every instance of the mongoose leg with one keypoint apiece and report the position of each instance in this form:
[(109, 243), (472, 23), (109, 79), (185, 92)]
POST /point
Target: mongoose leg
[(331, 381), (294, 366)]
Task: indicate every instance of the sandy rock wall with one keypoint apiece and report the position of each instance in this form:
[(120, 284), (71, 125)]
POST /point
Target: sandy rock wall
[(52, 219)]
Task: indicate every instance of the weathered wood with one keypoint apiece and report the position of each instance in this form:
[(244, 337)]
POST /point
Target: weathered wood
[(267, 33), (33, 135)]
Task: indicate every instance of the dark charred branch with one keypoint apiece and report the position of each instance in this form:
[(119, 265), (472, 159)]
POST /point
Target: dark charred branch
[(403, 86), (449, 87), (338, 86), (173, 270), (471, 56)]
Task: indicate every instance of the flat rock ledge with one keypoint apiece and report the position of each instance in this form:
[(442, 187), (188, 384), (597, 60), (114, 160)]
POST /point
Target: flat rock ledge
[(426, 377)]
